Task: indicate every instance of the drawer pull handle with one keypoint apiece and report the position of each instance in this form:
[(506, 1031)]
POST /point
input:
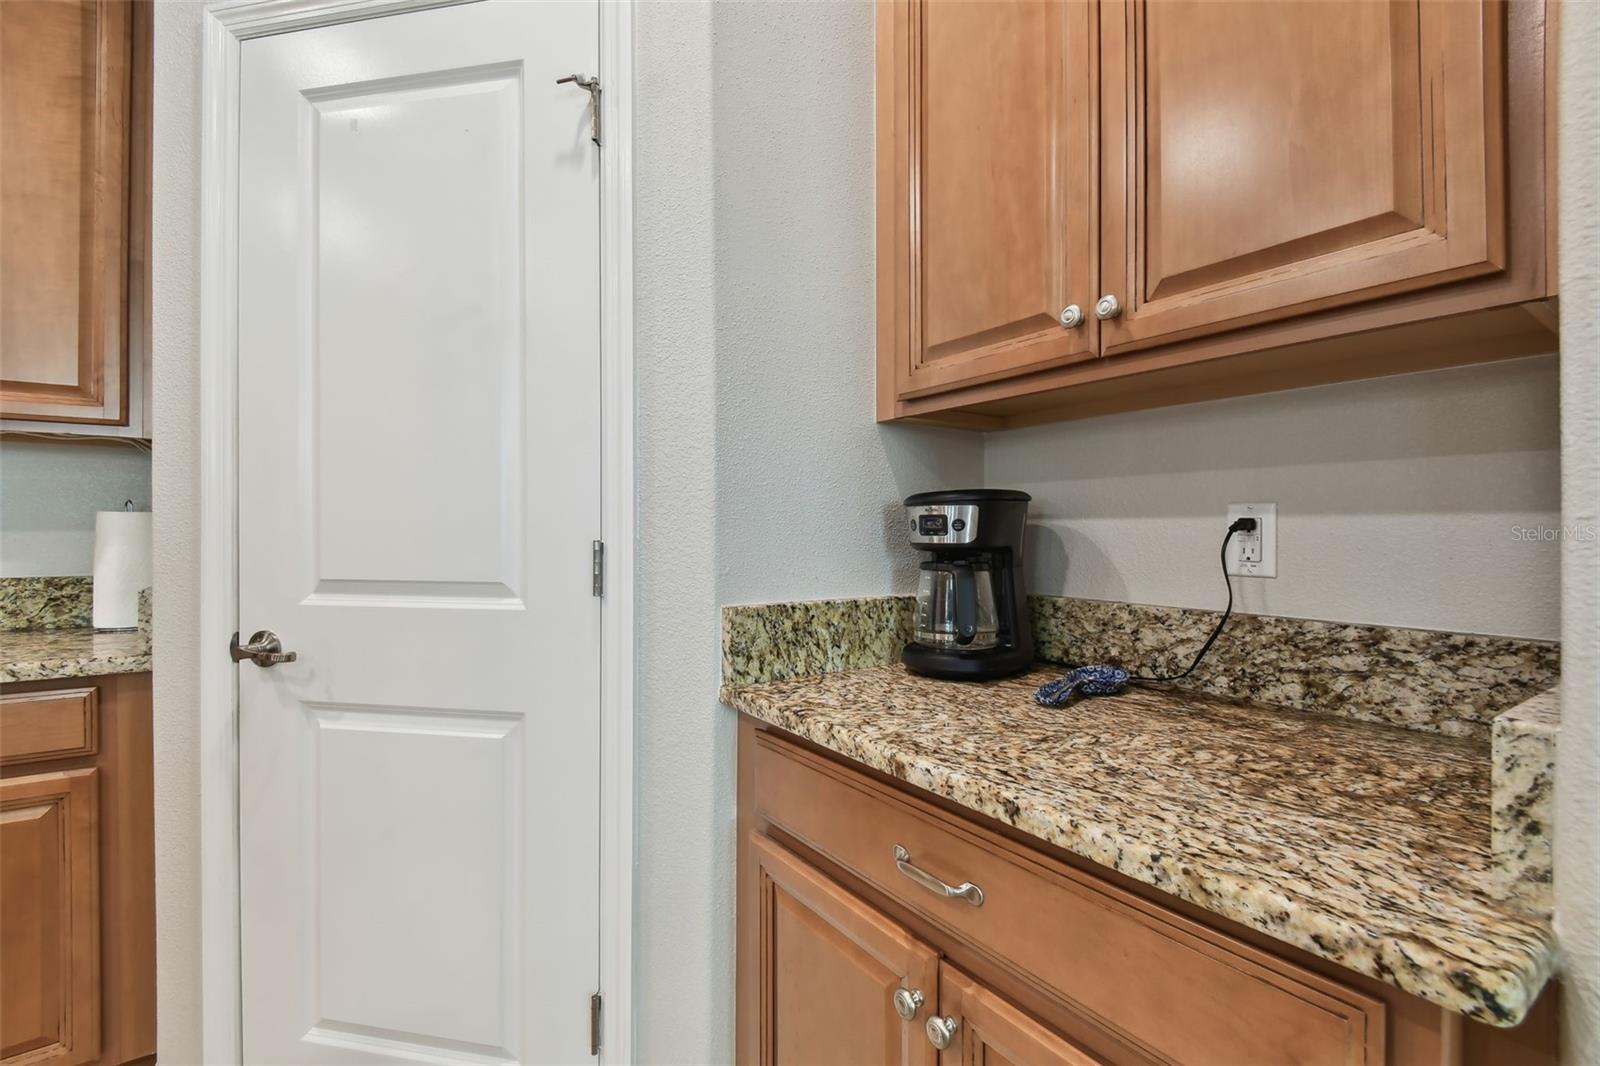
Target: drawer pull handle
[(965, 890)]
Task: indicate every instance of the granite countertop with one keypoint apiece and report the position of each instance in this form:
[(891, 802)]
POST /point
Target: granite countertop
[(1364, 844), (47, 654)]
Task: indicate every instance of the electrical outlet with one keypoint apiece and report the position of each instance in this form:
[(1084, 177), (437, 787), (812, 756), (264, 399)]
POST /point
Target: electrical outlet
[(1254, 554), (1249, 545)]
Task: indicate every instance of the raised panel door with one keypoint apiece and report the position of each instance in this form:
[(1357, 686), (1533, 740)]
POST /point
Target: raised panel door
[(828, 966), (990, 1031), (419, 471), (64, 119), (1266, 160), (985, 190), (49, 923)]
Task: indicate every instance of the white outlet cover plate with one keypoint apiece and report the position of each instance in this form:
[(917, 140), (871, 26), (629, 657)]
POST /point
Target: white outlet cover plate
[(1267, 515)]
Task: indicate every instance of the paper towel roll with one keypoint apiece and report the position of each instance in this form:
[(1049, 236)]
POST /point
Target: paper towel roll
[(121, 567)]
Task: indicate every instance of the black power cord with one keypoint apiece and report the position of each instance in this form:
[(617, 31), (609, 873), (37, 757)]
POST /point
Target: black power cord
[(1242, 525)]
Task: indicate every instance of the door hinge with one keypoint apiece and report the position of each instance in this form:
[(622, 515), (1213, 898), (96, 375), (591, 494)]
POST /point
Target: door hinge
[(594, 1024), (597, 562)]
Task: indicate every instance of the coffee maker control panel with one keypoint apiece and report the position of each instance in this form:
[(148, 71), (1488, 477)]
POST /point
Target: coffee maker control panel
[(943, 524)]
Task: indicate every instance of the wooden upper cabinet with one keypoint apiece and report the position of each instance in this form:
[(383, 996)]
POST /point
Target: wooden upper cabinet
[(1262, 160), (828, 966), (985, 179), (49, 924), (1265, 195), (66, 88)]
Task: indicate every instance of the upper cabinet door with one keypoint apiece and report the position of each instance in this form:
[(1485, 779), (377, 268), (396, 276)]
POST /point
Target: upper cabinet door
[(64, 196), (985, 191), (1263, 160)]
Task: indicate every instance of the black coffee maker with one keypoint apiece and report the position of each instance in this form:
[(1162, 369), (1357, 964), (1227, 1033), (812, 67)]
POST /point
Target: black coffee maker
[(971, 606)]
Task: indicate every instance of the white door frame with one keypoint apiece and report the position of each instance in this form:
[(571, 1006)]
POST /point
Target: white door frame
[(226, 25)]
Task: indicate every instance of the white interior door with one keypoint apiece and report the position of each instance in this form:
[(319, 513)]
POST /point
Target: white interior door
[(418, 492)]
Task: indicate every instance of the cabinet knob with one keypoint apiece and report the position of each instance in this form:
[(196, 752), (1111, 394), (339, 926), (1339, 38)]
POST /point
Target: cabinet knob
[(1108, 307), (1072, 316), (907, 1001), (941, 1031)]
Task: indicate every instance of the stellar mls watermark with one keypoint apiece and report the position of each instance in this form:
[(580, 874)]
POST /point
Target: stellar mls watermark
[(1548, 534)]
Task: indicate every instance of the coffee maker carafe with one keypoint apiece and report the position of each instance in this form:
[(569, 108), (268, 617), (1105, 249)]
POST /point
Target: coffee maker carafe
[(970, 621)]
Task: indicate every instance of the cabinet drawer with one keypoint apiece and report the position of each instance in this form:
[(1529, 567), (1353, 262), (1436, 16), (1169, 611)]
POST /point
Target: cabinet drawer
[(1183, 992), (56, 724)]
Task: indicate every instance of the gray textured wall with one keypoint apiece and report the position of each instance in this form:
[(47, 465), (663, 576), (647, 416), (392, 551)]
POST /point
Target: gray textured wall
[(683, 925), (49, 493), (175, 473), (1578, 757), (761, 472), (808, 485), (1398, 500)]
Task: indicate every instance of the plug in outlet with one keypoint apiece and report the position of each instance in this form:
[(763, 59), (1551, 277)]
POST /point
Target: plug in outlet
[(1254, 554), (1249, 545)]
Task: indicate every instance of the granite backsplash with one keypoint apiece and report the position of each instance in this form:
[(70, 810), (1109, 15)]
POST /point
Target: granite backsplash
[(1451, 683), (1522, 813), (775, 641), (46, 602)]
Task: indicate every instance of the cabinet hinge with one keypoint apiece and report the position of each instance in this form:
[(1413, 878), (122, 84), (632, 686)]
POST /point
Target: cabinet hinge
[(594, 1024), (597, 571)]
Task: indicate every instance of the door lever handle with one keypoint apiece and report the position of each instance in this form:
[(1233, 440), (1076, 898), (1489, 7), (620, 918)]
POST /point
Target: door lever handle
[(264, 649), (592, 86)]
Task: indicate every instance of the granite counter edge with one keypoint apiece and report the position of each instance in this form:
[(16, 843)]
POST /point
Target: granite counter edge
[(68, 669), (1500, 997)]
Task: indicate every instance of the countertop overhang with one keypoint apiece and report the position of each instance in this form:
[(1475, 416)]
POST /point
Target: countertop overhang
[(52, 654), (1363, 844)]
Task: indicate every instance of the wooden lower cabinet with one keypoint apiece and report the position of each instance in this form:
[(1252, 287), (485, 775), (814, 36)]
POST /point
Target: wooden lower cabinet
[(989, 1030), (842, 984), (77, 873), (829, 967), (49, 921), (1062, 962)]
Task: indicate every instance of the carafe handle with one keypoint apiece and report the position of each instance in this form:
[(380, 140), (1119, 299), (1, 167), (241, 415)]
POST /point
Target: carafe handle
[(966, 605)]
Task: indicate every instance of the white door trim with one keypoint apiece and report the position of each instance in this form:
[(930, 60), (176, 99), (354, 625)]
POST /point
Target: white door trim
[(225, 26), (617, 524)]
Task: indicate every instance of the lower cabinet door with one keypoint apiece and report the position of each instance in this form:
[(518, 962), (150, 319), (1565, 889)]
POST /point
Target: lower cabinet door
[(49, 922), (976, 1027), (830, 968)]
